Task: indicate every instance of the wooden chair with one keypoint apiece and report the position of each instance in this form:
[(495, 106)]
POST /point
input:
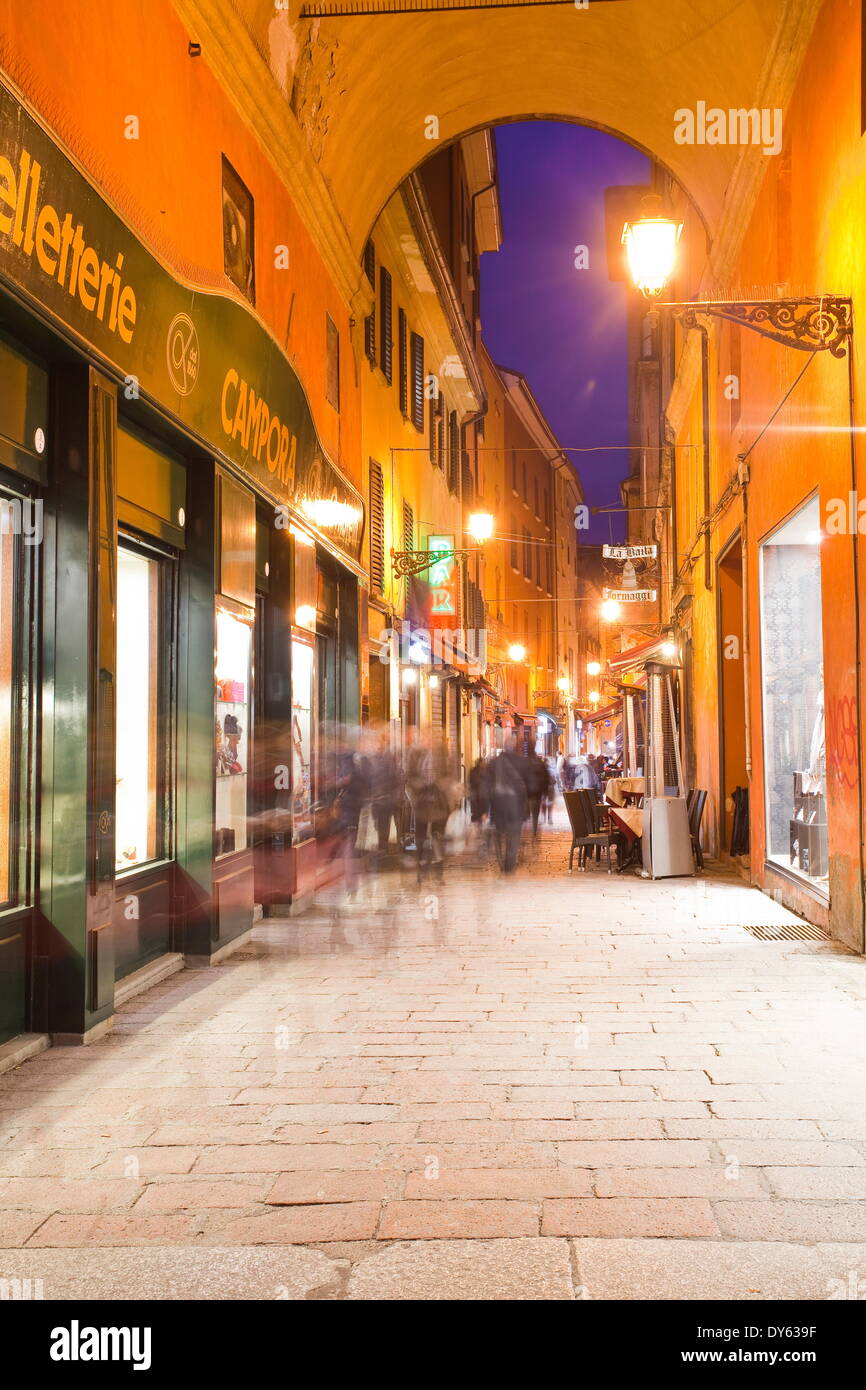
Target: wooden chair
[(583, 834), (696, 801), (598, 819)]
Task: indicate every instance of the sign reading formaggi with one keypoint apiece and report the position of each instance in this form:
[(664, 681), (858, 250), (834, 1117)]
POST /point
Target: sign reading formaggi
[(204, 357)]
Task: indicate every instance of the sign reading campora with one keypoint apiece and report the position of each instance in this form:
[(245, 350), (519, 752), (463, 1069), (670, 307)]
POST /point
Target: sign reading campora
[(205, 358)]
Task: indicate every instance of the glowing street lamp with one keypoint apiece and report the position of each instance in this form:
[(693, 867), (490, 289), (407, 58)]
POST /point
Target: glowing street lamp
[(516, 652), (651, 247), (563, 684), (669, 649), (610, 610), (593, 668), (594, 696), (480, 526)]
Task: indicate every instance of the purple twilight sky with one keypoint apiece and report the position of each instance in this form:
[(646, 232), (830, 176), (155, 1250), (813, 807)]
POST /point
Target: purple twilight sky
[(563, 328)]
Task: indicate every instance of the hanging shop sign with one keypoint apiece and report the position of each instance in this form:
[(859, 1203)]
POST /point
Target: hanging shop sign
[(631, 595), (443, 577), (629, 552), (204, 357)]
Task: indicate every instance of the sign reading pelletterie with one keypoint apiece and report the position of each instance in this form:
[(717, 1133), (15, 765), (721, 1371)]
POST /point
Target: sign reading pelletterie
[(204, 357)]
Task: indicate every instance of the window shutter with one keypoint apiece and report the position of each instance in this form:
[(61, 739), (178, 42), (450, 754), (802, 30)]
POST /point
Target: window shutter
[(453, 453), (370, 320), (440, 433), (403, 362), (332, 370), (385, 324), (377, 528), (417, 402), (434, 437), (408, 537)]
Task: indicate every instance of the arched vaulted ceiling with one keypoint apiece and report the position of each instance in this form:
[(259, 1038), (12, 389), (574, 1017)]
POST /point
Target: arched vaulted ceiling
[(359, 89)]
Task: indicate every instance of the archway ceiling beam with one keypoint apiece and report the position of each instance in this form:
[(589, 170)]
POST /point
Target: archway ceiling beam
[(343, 103)]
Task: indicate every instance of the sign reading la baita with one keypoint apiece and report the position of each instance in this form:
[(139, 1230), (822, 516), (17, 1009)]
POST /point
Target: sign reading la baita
[(204, 357)]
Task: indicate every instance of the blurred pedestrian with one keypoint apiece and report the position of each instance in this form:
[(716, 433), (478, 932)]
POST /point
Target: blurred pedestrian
[(550, 794), (585, 774), (433, 795), (537, 778), (567, 771), (386, 791), (353, 792), (508, 804), (479, 790)]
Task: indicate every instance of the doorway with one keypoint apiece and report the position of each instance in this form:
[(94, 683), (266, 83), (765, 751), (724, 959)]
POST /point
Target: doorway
[(732, 689)]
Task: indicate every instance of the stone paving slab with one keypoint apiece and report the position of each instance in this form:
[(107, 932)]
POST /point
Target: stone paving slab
[(741, 1270), (543, 1086)]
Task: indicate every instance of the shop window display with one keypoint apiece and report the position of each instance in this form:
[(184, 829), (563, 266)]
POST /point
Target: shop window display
[(793, 693), (7, 648), (136, 837), (231, 725), (302, 741)]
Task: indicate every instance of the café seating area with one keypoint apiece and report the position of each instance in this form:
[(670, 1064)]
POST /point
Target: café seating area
[(611, 823)]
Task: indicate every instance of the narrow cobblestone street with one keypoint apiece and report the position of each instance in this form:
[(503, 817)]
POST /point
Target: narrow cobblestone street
[(549, 1087)]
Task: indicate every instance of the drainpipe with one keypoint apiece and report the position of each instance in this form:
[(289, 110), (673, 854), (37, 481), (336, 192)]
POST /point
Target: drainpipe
[(705, 439), (743, 472), (857, 657)]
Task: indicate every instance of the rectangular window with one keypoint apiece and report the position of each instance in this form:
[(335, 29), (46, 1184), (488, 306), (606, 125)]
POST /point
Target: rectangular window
[(537, 499), (513, 470), (386, 340), (238, 233), (527, 555), (332, 363), (138, 830), (370, 320), (792, 674), (513, 545), (377, 529), (403, 361), (416, 359)]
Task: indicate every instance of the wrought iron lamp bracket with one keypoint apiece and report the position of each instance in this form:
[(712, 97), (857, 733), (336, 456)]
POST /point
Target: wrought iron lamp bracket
[(408, 562), (811, 325)]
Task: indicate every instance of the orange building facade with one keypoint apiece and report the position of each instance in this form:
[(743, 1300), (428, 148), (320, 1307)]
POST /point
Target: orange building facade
[(762, 481)]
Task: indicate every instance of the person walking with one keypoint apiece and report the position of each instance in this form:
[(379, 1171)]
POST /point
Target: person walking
[(353, 792), (537, 787), (386, 792), (567, 772), (433, 800), (585, 774), (508, 804)]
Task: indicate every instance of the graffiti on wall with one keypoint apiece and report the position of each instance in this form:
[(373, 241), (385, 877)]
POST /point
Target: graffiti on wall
[(841, 716)]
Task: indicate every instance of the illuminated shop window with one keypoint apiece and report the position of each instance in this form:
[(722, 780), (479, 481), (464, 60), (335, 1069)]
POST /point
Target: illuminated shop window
[(7, 649), (795, 784), (231, 731), (137, 834)]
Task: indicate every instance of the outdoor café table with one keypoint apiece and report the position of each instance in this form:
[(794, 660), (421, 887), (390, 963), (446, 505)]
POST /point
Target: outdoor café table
[(618, 788), (628, 820)]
